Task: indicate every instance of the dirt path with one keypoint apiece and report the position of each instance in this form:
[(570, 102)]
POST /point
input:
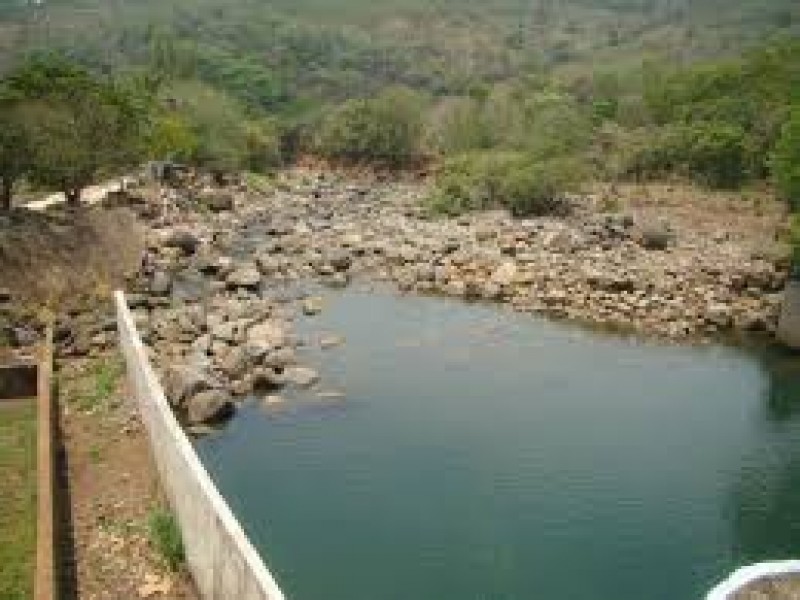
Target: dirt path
[(112, 489)]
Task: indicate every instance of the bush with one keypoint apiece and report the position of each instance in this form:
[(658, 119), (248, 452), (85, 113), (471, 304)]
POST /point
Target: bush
[(165, 536), (512, 180), (222, 136), (785, 162), (716, 154), (385, 129)]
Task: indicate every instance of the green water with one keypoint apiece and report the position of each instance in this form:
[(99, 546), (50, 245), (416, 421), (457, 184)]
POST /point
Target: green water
[(486, 455)]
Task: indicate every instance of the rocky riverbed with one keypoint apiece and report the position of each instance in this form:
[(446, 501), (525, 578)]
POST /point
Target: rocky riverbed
[(219, 296)]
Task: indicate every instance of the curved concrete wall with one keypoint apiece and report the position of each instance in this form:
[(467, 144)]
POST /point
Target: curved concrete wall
[(743, 577), (222, 560)]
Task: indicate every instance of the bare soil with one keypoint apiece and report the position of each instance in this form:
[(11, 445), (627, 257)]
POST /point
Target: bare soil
[(112, 488)]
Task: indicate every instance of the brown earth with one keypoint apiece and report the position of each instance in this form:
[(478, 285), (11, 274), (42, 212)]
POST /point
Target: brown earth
[(112, 488)]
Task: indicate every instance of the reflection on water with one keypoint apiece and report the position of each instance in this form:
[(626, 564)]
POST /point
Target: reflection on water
[(483, 454)]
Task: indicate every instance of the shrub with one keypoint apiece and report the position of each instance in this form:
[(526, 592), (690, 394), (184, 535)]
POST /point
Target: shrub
[(165, 536), (385, 129), (512, 180), (785, 162), (716, 154)]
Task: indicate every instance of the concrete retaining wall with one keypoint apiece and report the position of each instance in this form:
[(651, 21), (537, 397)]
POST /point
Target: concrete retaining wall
[(222, 560)]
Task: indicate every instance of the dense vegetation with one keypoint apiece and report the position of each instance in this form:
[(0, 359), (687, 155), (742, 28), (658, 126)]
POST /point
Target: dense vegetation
[(516, 101)]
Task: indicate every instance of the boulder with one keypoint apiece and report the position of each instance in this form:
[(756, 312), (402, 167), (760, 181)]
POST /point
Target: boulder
[(656, 237), (272, 333), (161, 284), (208, 407), (186, 241), (312, 305), (340, 261), (219, 201), (181, 382), (244, 276), (505, 274), (303, 377)]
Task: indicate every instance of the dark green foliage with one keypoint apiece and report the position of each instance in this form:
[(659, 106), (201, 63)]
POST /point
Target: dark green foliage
[(512, 180), (786, 160), (385, 129)]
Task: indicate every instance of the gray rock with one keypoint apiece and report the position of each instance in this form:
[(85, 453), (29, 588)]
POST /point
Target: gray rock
[(312, 305), (303, 377), (186, 241), (208, 407), (656, 237), (161, 284), (272, 333), (181, 382), (244, 276), (219, 201)]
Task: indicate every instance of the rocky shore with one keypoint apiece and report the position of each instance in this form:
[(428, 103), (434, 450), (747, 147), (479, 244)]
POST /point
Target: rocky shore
[(218, 294)]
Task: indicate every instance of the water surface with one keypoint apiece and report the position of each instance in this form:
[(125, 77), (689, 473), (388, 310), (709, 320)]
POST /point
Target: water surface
[(486, 455)]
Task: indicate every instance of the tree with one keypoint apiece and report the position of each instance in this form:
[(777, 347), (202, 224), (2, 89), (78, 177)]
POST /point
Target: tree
[(76, 126), (14, 149), (785, 161)]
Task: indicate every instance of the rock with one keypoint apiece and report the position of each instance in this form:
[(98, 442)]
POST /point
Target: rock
[(312, 305), (186, 241), (236, 363), (331, 395), (340, 261), (208, 407), (219, 202), (245, 276), (330, 341), (303, 377), (279, 359), (272, 333), (505, 274), (265, 379), (161, 284), (184, 381), (658, 237), (273, 400), (719, 315)]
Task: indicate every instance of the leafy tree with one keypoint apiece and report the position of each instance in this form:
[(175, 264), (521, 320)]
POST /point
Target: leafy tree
[(219, 134), (786, 160), (76, 126), (15, 155)]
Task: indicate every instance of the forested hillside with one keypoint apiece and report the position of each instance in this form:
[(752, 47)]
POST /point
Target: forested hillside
[(522, 97)]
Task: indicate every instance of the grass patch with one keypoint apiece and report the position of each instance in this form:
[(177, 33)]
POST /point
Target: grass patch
[(17, 499), (165, 536), (101, 383)]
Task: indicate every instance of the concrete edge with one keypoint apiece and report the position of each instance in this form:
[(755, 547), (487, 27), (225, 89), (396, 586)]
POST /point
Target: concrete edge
[(223, 512), (744, 576), (45, 586)]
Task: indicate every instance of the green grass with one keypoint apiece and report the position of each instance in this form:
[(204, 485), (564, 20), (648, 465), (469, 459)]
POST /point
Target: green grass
[(17, 499), (165, 537), (103, 383)]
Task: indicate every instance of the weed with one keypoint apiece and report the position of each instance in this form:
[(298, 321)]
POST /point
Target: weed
[(165, 536)]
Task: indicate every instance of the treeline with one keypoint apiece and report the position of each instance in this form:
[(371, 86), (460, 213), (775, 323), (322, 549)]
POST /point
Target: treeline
[(520, 143)]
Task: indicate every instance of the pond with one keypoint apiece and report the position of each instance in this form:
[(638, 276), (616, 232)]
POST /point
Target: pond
[(482, 454)]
